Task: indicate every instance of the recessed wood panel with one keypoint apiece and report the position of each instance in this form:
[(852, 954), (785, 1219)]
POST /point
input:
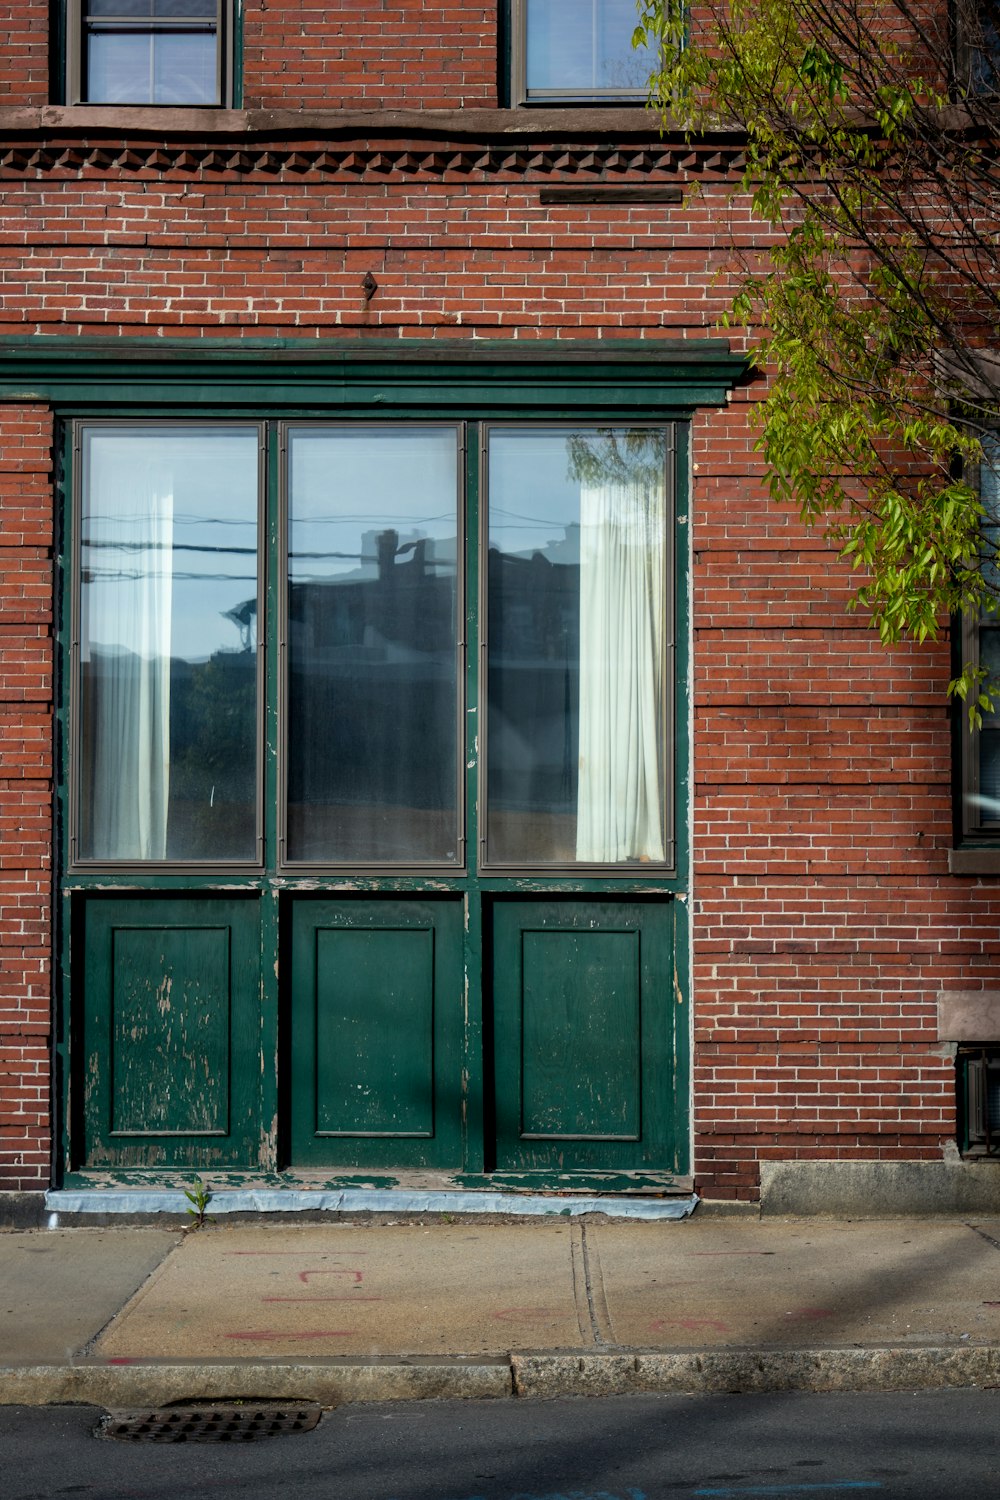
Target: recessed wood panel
[(580, 1034), (584, 1000), (170, 1018), (375, 1031), (377, 1012), (170, 1074)]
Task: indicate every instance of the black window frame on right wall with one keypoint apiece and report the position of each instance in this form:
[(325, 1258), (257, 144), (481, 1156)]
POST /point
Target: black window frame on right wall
[(977, 809)]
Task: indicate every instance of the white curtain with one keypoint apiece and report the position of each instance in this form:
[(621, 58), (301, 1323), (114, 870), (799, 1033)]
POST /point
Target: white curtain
[(620, 793), (128, 538)]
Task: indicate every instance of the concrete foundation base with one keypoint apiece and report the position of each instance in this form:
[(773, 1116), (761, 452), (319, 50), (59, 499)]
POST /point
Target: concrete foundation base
[(22, 1210), (874, 1189)]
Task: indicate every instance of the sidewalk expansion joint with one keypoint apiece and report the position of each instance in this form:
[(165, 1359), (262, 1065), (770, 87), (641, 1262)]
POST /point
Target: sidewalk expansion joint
[(597, 1302)]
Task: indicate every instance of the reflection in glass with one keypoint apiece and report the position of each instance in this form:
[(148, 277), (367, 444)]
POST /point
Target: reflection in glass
[(168, 649), (577, 620), (585, 46), (372, 617)]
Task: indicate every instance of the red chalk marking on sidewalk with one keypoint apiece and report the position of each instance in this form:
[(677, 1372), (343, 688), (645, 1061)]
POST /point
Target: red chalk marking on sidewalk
[(346, 1297), (262, 1335), (121, 1359), (333, 1271), (661, 1323)]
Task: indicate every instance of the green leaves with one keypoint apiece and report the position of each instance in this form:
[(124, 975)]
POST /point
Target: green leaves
[(883, 273)]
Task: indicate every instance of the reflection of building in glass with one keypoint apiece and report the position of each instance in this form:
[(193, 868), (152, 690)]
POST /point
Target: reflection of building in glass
[(372, 690)]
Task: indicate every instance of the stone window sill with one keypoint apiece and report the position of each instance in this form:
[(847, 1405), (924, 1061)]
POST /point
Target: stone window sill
[(973, 861)]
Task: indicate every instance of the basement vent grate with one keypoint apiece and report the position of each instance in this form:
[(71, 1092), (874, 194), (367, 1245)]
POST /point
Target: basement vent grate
[(245, 1422)]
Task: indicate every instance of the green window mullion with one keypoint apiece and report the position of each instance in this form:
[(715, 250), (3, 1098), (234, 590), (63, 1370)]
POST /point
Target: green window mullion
[(272, 638), (473, 1073)]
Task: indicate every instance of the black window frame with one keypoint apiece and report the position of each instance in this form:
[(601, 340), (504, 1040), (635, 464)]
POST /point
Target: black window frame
[(973, 830), (75, 26)]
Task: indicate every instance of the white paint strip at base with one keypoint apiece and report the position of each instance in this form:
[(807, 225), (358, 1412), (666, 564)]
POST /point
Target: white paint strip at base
[(365, 1200)]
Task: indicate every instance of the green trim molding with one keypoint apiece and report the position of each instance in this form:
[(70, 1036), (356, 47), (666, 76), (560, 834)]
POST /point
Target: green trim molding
[(482, 378)]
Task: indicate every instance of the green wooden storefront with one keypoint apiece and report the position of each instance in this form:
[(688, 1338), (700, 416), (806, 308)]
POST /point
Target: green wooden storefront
[(484, 1012)]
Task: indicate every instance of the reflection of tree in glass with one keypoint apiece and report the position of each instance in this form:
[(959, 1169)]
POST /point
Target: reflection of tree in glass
[(617, 456), (213, 756)]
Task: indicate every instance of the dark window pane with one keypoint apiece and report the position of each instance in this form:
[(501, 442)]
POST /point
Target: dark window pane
[(372, 621), (989, 775), (168, 644), (577, 656), (585, 46)]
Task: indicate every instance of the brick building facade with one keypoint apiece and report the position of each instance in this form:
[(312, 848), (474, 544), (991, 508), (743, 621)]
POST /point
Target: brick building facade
[(366, 232)]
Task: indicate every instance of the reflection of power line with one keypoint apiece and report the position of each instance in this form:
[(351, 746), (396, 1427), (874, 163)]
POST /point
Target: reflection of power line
[(123, 546), (369, 521), (341, 518), (136, 575), (529, 523), (177, 518)]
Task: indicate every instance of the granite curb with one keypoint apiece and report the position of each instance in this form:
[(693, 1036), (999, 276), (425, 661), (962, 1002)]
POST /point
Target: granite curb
[(524, 1376)]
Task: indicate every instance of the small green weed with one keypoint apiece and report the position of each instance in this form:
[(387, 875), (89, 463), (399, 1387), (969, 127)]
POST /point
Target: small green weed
[(199, 1197)]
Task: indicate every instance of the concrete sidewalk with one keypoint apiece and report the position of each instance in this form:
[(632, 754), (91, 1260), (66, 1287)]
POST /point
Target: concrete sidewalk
[(360, 1311)]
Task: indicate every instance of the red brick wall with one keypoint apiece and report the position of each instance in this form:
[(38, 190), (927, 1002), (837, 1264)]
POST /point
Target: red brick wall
[(386, 54), (25, 792), (213, 254), (24, 52), (824, 917), (826, 920)]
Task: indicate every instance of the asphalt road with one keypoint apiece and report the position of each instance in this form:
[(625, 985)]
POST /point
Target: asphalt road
[(934, 1445)]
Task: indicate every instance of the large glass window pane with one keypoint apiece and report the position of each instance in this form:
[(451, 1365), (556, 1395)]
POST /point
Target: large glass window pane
[(372, 643), (577, 655), (168, 643), (584, 46)]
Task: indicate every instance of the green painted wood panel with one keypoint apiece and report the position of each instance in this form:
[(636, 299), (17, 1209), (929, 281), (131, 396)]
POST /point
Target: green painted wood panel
[(170, 1020), (375, 1023), (583, 1026), (376, 999), (171, 1032), (580, 1026)]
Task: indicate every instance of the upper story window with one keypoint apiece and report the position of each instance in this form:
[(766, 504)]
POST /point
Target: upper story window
[(565, 51), (167, 52)]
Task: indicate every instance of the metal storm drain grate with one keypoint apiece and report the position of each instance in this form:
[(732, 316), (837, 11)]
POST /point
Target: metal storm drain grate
[(242, 1422)]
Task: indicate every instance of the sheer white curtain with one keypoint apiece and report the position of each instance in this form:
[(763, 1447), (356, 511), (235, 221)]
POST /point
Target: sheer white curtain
[(128, 536), (620, 791)]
